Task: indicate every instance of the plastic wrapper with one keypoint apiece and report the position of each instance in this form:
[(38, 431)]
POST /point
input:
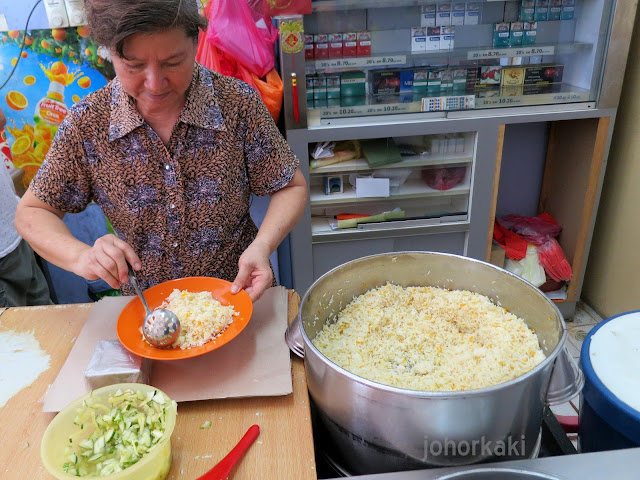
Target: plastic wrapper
[(111, 363), (528, 268), (443, 178)]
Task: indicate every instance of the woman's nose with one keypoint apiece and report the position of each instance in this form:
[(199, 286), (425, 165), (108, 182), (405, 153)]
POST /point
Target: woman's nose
[(154, 79)]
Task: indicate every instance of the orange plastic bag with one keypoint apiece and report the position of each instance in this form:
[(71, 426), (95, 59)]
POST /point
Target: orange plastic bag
[(271, 90)]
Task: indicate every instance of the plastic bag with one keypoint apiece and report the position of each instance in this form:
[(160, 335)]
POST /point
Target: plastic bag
[(233, 30), (528, 268), (111, 363), (536, 230), (271, 90), (444, 178)]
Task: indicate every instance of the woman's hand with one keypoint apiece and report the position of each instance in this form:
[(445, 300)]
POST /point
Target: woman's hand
[(254, 273), (107, 259)]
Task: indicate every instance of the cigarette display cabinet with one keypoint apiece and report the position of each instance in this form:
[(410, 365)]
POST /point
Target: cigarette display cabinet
[(419, 122)]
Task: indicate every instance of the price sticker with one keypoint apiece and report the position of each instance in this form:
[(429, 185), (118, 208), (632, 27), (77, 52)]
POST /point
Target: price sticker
[(363, 110), (361, 62), (510, 52)]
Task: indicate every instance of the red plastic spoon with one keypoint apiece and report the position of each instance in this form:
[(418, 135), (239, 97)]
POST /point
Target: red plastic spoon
[(222, 470)]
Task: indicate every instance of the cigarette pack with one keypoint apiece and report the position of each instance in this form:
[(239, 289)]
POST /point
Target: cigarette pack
[(512, 76), (419, 39), (490, 76), (530, 33), (428, 16), (543, 74), (420, 80), (435, 80), (446, 37), (319, 87), (516, 34), (350, 44), (460, 79), (541, 14), (567, 13), (333, 86), (472, 13), (364, 44), (309, 84), (568, 3), (501, 35), (321, 46), (308, 47), (443, 15), (335, 45), (458, 13), (433, 39), (353, 84), (446, 79), (527, 14), (542, 3), (555, 10)]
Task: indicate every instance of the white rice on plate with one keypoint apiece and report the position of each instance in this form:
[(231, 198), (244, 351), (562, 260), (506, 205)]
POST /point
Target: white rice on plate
[(202, 318), (430, 339)]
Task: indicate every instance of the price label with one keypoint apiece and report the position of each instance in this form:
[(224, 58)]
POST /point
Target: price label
[(439, 104), (570, 97), (499, 101), (362, 110), (361, 62), (510, 52)]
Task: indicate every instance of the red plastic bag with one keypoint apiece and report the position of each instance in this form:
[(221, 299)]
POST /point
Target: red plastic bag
[(273, 8), (233, 30), (536, 230), (444, 178), (552, 258)]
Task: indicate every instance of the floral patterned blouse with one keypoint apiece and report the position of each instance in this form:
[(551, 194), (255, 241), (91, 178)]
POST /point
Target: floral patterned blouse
[(184, 208)]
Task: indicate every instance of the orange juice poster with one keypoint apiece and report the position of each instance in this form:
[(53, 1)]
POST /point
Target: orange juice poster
[(55, 69)]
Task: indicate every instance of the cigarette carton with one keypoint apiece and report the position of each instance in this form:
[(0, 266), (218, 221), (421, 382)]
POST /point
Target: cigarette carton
[(543, 74), (460, 79), (433, 39), (472, 13), (353, 84), (320, 87), (419, 39), (364, 44), (435, 80), (530, 33), (567, 13), (428, 16), (490, 76), (443, 15), (516, 34), (458, 11), (350, 44), (309, 83), (512, 76), (420, 80), (446, 37), (335, 45), (541, 14), (308, 47), (501, 35), (321, 46), (333, 86)]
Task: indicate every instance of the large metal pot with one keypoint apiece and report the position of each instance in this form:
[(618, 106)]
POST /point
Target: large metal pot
[(378, 428)]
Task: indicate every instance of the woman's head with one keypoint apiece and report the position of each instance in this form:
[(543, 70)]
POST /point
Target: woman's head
[(113, 21)]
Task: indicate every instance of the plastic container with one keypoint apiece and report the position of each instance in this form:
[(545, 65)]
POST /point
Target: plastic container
[(154, 465), (611, 366)]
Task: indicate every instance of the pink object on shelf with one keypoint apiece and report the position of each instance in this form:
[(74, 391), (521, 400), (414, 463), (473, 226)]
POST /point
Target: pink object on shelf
[(443, 178)]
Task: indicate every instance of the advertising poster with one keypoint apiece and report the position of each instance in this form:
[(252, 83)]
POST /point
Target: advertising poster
[(56, 69)]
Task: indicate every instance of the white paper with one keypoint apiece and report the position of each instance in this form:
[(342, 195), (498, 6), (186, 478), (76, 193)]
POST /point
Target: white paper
[(372, 187), (255, 363)]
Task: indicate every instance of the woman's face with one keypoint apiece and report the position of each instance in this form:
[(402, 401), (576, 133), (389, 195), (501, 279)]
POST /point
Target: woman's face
[(156, 70)]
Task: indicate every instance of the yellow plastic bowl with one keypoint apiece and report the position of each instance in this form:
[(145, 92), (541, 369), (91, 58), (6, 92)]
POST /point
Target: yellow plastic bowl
[(154, 465)]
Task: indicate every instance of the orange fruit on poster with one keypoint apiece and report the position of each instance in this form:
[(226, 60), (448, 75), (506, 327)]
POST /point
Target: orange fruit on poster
[(24, 54), (14, 34), (43, 134), (59, 68), (14, 60), (44, 44), (21, 145), (59, 34), (16, 100), (28, 40), (84, 82), (71, 54), (30, 171), (29, 80), (40, 151), (84, 31), (100, 61), (58, 50), (75, 98)]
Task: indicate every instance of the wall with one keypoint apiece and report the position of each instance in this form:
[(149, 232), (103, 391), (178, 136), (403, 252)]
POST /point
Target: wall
[(612, 274)]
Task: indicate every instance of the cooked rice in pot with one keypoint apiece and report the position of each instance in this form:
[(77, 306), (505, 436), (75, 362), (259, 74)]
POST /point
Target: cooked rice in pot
[(429, 338)]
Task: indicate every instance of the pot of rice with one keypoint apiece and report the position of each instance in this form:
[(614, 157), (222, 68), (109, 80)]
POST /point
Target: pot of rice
[(419, 359)]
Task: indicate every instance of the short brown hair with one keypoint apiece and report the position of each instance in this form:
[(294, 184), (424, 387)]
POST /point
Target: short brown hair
[(112, 21)]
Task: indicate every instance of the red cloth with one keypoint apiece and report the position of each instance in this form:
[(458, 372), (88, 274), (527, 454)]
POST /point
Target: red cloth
[(514, 245)]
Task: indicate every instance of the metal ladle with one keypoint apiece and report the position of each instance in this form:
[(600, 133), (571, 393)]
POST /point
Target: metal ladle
[(161, 327)]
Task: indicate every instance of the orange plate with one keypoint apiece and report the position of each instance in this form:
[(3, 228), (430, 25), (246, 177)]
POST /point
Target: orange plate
[(132, 316)]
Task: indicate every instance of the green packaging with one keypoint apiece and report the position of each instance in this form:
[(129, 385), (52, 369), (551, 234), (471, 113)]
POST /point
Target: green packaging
[(320, 88), (309, 87), (353, 84), (420, 81), (501, 36), (529, 37), (333, 86), (567, 13), (517, 32)]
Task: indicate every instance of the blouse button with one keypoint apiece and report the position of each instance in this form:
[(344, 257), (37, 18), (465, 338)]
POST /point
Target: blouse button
[(167, 167), (175, 245), (172, 206)]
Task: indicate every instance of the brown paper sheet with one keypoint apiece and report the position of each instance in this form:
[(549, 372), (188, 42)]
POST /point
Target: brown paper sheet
[(255, 363)]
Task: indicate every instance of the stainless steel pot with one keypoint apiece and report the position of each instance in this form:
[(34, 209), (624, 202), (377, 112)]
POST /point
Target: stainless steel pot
[(379, 428)]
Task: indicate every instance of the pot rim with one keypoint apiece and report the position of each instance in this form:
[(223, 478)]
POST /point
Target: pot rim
[(308, 344)]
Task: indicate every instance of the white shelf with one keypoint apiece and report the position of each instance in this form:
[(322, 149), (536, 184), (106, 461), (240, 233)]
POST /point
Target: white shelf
[(412, 188), (361, 164), (333, 5)]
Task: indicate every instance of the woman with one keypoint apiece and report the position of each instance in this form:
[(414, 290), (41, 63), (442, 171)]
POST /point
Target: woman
[(171, 152)]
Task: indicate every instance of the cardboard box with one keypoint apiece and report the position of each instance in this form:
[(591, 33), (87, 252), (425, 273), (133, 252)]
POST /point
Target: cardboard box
[(364, 44), (512, 76), (308, 47), (446, 37), (320, 87), (490, 75), (419, 39), (530, 33), (501, 35), (428, 16), (543, 74), (335, 45), (458, 11), (516, 34), (353, 84), (350, 44), (541, 14), (567, 13), (472, 13), (443, 14), (433, 39), (309, 84), (420, 80), (333, 86)]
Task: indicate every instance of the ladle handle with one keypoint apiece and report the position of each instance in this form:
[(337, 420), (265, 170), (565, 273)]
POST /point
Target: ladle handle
[(136, 286)]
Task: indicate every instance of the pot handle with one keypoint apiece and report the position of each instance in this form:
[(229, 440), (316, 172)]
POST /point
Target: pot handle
[(293, 336), (566, 381)]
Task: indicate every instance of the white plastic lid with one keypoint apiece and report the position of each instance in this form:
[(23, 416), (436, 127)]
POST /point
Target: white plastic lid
[(615, 356)]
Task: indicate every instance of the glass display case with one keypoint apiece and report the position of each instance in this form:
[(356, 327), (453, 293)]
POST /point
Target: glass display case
[(380, 57)]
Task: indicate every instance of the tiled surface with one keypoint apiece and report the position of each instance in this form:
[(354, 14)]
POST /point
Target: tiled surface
[(578, 326)]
